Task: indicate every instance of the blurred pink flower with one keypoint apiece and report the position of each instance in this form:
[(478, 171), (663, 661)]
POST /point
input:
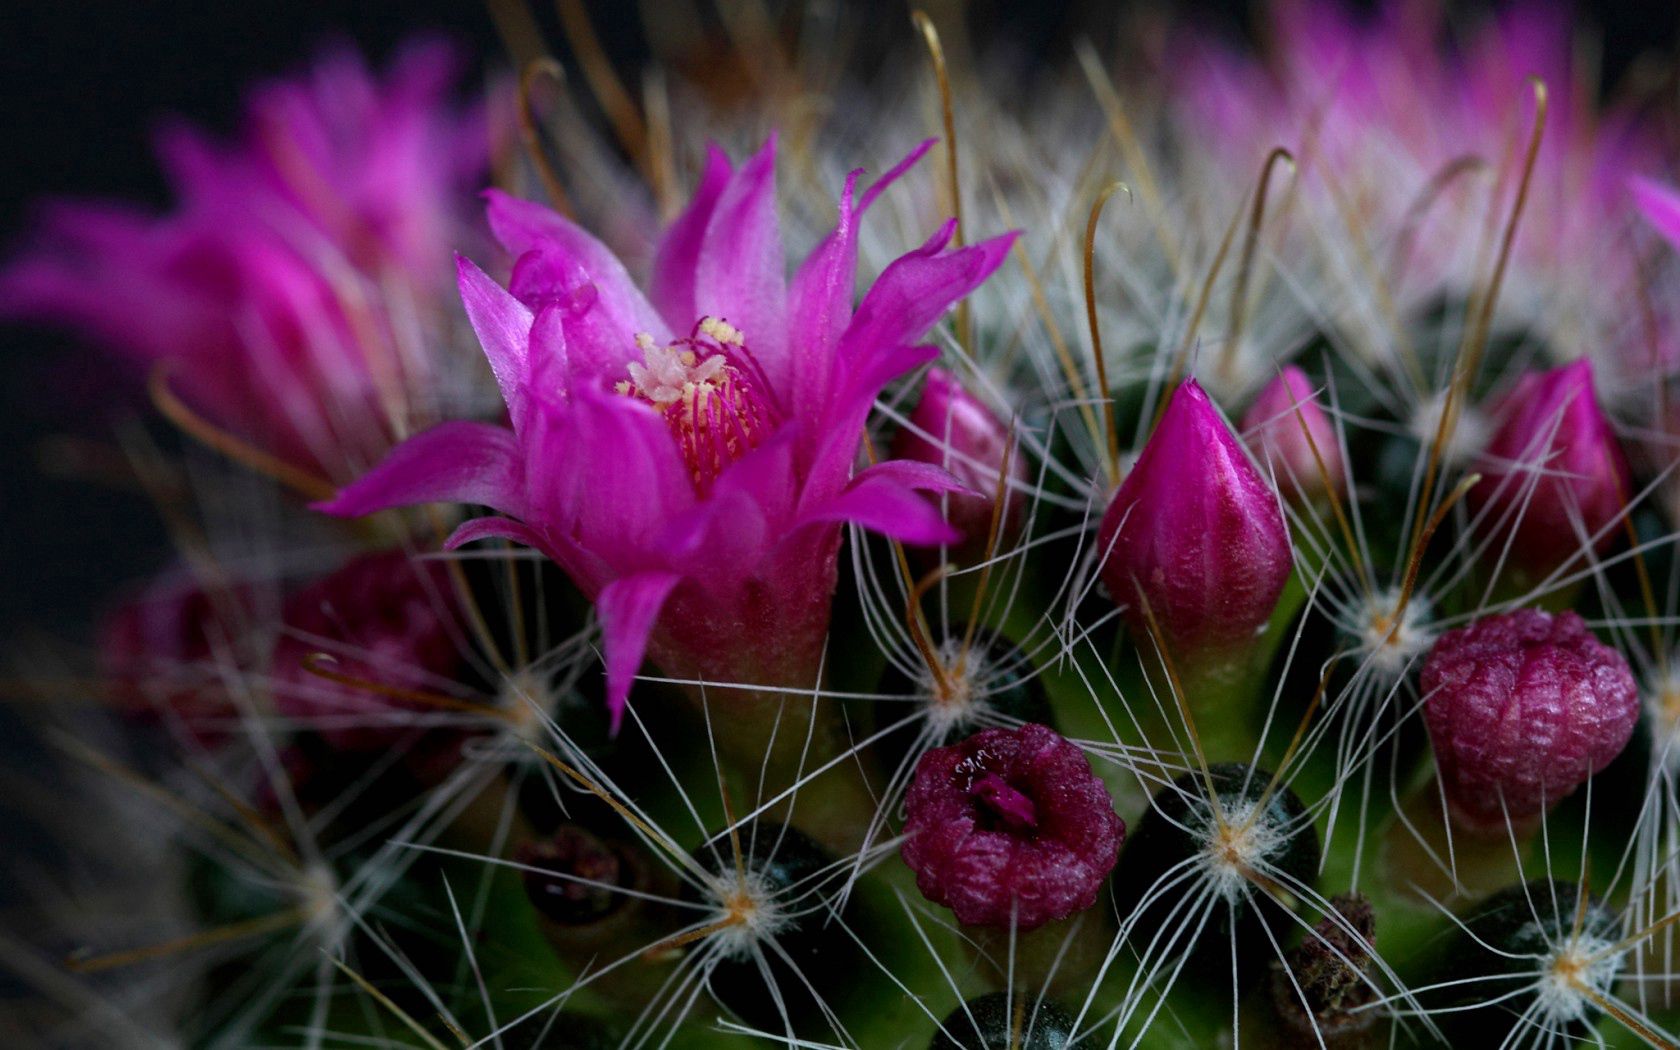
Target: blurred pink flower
[(168, 653), (687, 456), (1288, 431), (383, 618), (1382, 110), (292, 285)]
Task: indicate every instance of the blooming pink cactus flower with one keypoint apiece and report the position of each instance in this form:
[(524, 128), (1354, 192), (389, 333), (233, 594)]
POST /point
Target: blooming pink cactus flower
[(1195, 532), (289, 280), (1288, 431), (688, 458), (382, 618), (1553, 472), (1522, 708), (1010, 825), (953, 429)]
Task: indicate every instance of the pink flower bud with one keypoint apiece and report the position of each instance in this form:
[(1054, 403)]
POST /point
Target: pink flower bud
[(1553, 471), (383, 619), (1010, 825), (1278, 427), (953, 429), (1195, 531), (1522, 708)]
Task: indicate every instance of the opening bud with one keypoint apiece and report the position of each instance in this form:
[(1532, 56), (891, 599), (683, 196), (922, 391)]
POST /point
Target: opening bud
[(953, 429), (1010, 826)]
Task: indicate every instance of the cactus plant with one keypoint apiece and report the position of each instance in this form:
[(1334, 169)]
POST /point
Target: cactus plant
[(1186, 557)]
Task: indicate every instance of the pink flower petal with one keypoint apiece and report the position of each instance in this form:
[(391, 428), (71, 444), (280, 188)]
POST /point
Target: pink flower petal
[(627, 608), (916, 290), (503, 326), (457, 462), (739, 275), (605, 474), (556, 257), (493, 528), (1661, 205), (885, 499), (677, 259)]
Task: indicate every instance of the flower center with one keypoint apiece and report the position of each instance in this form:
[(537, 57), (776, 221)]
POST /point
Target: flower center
[(1004, 803), (710, 392)]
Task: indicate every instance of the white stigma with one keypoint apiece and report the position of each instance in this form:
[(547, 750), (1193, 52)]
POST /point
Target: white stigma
[(748, 913), (1237, 846), (1468, 437), (1386, 646), (1581, 969), (668, 374)]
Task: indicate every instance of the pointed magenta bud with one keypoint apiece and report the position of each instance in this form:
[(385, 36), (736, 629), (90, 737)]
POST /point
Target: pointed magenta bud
[(953, 429), (1289, 434), (1522, 708), (1010, 825), (1553, 473), (1196, 532)]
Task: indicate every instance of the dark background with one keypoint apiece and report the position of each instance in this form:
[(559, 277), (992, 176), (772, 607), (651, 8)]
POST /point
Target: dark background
[(82, 86)]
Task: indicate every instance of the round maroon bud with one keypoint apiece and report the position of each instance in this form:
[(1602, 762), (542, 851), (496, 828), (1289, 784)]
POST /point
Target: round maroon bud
[(164, 653), (575, 878), (1522, 708), (1010, 825), (384, 619)]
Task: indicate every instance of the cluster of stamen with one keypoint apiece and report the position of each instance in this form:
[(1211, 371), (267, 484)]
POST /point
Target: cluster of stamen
[(710, 392)]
